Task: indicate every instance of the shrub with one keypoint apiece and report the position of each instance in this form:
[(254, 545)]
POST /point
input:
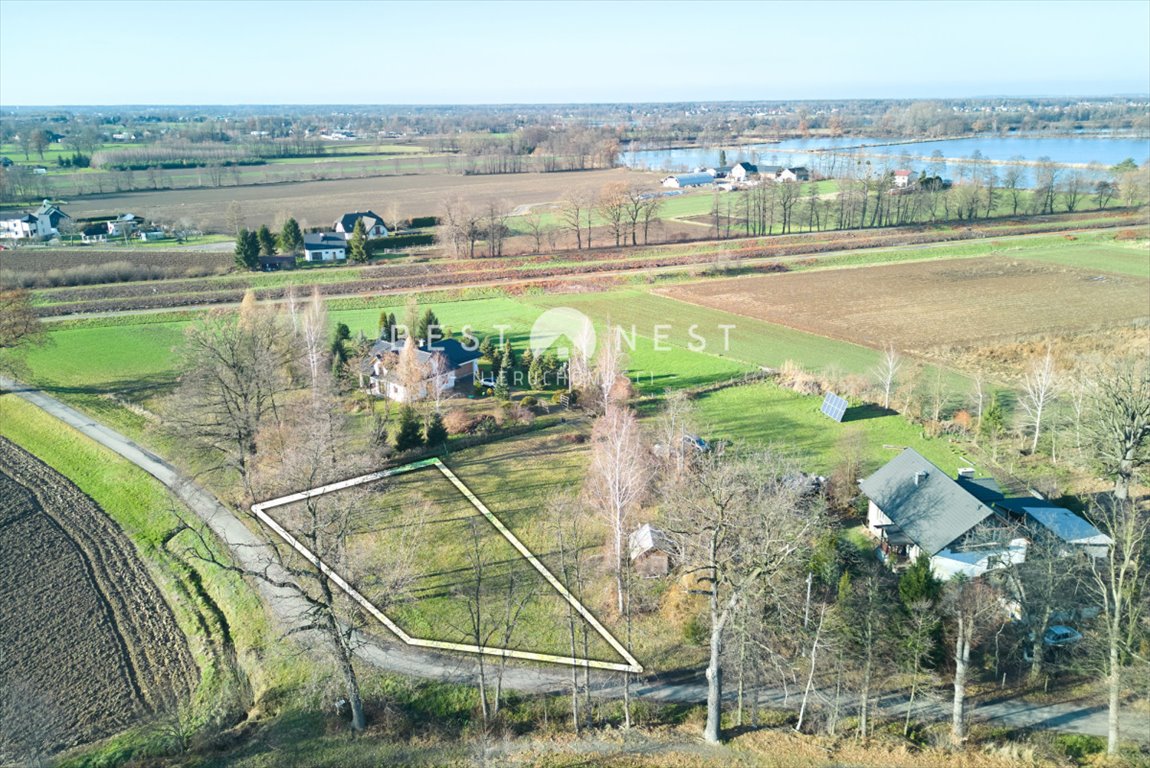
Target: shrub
[(529, 402), (409, 435), (1079, 745), (436, 432), (459, 422), (696, 632)]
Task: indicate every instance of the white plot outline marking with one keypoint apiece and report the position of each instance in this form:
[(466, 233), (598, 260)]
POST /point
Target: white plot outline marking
[(259, 510)]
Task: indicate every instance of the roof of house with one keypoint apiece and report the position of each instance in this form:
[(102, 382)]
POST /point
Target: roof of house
[(928, 506), (1060, 521), (903, 172), (95, 229), (452, 349), (693, 179), (47, 208), (346, 223), (648, 539), (798, 170), (985, 489), (316, 241), (769, 170), (748, 167)]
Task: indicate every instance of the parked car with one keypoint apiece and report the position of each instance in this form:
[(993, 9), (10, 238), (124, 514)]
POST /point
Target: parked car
[(1059, 635)]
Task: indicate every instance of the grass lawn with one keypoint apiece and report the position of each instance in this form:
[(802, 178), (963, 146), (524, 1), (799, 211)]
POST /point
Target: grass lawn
[(423, 513), (765, 414)]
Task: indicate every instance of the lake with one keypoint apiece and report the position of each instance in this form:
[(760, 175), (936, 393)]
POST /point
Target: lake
[(818, 154)]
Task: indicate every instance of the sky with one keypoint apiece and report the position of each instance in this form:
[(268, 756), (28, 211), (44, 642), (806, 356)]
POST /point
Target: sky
[(302, 52)]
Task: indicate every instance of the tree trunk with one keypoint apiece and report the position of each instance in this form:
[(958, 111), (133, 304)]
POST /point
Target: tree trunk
[(483, 692), (910, 704), (961, 661), (713, 732), (350, 681), (1115, 684)]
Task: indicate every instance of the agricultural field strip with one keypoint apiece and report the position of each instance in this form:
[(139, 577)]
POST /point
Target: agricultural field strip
[(259, 510)]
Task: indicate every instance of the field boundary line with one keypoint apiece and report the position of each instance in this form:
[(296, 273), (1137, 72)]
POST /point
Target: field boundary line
[(260, 511)]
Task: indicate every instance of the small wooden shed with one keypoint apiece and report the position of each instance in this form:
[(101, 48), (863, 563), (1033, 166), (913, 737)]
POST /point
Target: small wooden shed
[(652, 554)]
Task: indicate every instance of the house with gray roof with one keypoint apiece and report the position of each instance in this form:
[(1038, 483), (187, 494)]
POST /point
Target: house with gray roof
[(43, 224), (372, 224), (966, 525), (444, 363), (324, 246), (915, 507)]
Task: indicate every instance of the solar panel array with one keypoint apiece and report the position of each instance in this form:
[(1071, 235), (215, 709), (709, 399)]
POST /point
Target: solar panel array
[(834, 407)]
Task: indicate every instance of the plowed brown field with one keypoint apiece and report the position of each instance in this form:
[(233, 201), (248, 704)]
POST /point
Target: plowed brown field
[(922, 306), (87, 644)]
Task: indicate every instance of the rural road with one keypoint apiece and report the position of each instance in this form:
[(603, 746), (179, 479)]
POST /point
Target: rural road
[(251, 552)]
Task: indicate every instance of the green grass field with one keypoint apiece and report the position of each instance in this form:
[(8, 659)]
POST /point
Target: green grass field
[(765, 414)]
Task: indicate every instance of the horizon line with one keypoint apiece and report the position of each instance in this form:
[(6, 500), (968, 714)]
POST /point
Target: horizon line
[(632, 103)]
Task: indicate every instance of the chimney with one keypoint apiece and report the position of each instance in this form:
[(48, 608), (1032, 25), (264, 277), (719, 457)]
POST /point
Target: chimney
[(966, 473), (919, 477)]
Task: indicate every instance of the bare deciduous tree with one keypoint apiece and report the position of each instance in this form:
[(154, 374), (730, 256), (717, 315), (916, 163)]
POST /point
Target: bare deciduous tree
[(571, 211), (234, 368), (738, 526), (973, 606), (313, 338), (617, 480), (1119, 423), (887, 372), (1120, 580), (1039, 385)]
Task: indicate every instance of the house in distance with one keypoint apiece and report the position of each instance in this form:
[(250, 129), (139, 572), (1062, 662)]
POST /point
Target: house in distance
[(372, 224), (324, 246), (444, 364)]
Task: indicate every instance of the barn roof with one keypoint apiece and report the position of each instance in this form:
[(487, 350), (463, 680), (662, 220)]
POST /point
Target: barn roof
[(694, 179), (928, 506), (1058, 520)]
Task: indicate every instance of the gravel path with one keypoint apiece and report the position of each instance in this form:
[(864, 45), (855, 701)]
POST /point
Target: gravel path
[(689, 687)]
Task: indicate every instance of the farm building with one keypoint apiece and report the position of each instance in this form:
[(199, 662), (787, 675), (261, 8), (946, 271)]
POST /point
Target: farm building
[(903, 178), (743, 171), (445, 364), (651, 552), (372, 223), (19, 228), (718, 171), (966, 525), (44, 223), (324, 246), (95, 233), (793, 174), (688, 180), (277, 263)]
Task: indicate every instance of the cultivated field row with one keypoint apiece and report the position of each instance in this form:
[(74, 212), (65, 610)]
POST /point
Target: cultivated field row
[(90, 646)]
